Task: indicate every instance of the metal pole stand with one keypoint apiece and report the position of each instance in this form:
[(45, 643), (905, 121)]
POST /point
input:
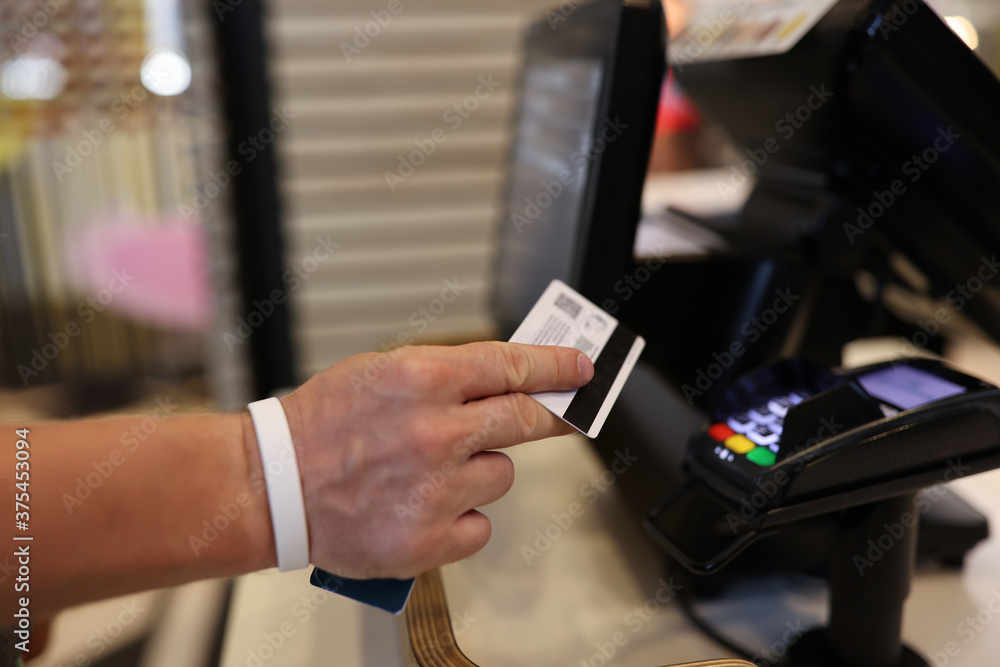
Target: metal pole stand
[(869, 578)]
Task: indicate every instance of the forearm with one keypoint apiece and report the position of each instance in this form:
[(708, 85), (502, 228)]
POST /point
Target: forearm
[(120, 506), (129, 504)]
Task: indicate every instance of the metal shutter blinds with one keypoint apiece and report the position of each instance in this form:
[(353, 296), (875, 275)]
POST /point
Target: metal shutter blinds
[(422, 92)]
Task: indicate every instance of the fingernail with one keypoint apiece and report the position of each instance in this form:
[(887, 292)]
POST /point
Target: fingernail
[(585, 367)]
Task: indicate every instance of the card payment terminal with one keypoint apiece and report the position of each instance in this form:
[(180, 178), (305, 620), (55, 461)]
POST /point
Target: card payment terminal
[(793, 440)]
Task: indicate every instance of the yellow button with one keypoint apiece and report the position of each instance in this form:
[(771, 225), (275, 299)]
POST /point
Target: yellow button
[(739, 444)]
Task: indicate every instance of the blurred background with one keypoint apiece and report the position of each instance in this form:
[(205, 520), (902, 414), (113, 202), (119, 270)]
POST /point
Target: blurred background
[(385, 134), (160, 160)]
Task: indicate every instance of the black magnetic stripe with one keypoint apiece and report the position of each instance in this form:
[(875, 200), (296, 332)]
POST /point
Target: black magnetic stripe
[(587, 403)]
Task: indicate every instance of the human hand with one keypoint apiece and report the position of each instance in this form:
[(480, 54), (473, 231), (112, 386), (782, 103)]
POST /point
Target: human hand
[(394, 462)]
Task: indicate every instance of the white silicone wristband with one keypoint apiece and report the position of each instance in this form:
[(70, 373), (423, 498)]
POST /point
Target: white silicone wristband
[(284, 487)]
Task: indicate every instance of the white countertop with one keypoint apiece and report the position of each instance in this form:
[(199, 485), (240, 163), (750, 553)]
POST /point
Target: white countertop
[(583, 588)]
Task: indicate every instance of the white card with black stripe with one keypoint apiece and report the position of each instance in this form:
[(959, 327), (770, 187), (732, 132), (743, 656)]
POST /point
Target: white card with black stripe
[(562, 317)]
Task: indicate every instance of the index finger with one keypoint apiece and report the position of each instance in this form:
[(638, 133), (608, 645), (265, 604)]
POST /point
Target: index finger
[(496, 368)]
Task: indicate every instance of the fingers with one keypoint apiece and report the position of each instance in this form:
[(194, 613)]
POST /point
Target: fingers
[(468, 534), (472, 529), (504, 421), (422, 421), (486, 478), (452, 490), (494, 368), (483, 479)]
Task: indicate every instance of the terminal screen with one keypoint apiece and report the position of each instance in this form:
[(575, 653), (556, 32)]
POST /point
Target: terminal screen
[(906, 387)]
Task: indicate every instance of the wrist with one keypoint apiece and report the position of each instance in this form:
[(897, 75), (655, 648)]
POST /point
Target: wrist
[(283, 482), (260, 553)]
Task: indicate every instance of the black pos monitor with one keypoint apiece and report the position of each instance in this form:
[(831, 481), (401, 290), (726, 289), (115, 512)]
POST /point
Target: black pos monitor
[(589, 91), (895, 177)]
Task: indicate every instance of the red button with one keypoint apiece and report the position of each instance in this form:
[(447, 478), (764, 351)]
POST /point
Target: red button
[(720, 431)]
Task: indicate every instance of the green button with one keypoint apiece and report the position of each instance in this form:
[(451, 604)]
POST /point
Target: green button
[(762, 456)]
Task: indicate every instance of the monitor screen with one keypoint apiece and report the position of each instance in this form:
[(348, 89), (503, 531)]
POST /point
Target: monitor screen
[(549, 171), (589, 89), (873, 139)]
